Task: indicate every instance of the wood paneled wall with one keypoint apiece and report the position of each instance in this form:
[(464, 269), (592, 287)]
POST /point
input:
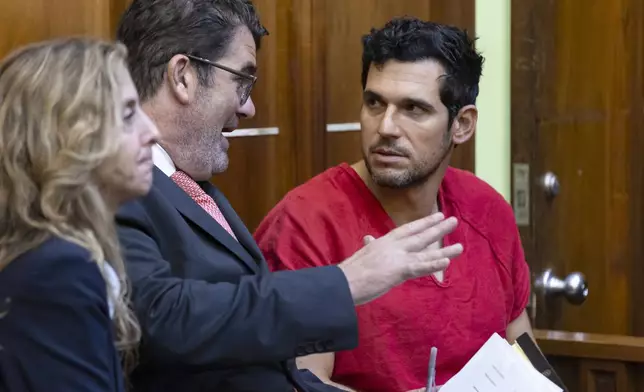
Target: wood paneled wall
[(23, 22), (309, 82)]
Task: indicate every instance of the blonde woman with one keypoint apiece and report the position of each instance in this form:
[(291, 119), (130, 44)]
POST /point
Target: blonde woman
[(74, 145)]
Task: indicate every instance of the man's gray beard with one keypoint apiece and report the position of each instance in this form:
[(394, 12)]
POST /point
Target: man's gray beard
[(198, 146)]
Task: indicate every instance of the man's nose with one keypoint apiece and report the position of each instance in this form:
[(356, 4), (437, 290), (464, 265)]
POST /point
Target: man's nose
[(247, 110), (388, 126)]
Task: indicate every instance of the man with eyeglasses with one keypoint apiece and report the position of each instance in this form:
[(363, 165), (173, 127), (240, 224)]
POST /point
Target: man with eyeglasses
[(212, 315)]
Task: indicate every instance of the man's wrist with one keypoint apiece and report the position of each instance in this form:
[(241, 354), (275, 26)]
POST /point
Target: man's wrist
[(352, 283)]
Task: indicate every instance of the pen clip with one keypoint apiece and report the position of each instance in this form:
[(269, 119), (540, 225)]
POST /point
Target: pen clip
[(431, 376)]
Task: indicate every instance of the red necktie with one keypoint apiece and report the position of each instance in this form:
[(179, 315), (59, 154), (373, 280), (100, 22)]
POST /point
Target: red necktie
[(202, 198)]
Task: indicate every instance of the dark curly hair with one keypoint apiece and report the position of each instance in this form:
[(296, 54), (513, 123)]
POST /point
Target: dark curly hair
[(409, 39)]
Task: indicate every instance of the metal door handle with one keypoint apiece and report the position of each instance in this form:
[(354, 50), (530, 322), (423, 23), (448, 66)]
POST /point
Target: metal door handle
[(574, 287), (550, 184)]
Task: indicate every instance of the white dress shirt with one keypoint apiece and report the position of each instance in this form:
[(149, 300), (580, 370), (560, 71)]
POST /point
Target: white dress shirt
[(113, 284), (162, 160)]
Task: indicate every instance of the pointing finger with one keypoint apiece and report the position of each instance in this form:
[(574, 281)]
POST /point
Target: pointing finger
[(448, 252), (424, 239), (426, 268), (416, 226)]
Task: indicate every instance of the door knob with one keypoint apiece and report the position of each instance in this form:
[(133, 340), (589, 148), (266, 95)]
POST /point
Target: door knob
[(574, 287), (550, 184)]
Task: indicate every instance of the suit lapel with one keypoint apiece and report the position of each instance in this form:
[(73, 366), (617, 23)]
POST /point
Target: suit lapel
[(235, 222), (190, 210)]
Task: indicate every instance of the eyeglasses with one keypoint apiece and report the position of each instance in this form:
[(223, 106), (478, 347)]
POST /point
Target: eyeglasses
[(247, 82)]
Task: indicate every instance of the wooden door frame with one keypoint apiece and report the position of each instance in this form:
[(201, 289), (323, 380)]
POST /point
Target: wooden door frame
[(637, 174), (523, 124)]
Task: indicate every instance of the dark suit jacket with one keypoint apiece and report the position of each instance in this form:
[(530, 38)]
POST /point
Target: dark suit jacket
[(213, 317), (55, 329)]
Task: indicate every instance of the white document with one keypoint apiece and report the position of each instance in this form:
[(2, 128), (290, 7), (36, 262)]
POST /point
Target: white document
[(497, 367)]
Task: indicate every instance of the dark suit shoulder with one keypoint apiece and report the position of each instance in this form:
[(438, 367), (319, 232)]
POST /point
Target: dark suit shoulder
[(56, 270), (137, 208), (56, 332), (141, 212), (56, 248)]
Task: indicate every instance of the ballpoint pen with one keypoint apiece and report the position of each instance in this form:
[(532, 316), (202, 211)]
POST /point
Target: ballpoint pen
[(431, 376)]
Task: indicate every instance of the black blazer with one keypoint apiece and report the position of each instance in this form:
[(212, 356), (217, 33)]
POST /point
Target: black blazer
[(213, 317), (55, 329)]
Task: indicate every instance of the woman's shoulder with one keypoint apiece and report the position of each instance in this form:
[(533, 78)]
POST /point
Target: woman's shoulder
[(54, 305), (55, 248), (57, 267)]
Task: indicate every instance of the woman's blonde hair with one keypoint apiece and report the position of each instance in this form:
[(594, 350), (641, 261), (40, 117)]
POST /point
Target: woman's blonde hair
[(60, 122)]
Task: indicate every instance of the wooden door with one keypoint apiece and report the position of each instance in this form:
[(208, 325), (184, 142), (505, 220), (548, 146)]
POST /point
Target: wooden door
[(346, 22), (577, 143)]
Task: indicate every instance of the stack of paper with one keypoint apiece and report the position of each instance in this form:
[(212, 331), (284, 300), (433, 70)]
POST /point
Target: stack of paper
[(498, 366)]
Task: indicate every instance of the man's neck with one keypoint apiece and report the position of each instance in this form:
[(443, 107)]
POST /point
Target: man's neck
[(408, 204), (165, 122)]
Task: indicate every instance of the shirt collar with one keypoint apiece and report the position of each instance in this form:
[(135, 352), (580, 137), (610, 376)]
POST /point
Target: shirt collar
[(162, 160)]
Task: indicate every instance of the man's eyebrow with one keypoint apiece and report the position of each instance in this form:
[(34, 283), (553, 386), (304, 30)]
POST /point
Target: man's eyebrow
[(418, 102), (130, 103), (372, 95), (249, 68), (369, 94)]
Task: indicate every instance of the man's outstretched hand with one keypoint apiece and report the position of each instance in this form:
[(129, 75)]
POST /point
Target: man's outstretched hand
[(407, 252)]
